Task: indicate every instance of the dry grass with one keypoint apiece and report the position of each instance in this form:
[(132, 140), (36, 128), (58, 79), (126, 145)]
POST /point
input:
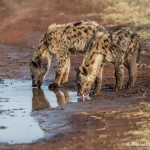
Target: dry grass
[(142, 133), (124, 12), (135, 12)]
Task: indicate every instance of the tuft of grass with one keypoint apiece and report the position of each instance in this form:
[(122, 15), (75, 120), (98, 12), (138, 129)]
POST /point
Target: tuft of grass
[(147, 108), (141, 135)]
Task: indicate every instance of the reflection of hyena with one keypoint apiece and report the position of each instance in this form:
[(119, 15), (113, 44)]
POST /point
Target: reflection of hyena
[(39, 100), (116, 45), (62, 96), (61, 41)]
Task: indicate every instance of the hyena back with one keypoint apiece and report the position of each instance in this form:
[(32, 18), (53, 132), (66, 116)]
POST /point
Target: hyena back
[(61, 41), (119, 46)]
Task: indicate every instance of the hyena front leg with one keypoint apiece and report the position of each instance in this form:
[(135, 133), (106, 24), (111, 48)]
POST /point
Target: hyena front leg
[(98, 82), (67, 70), (119, 75), (60, 71)]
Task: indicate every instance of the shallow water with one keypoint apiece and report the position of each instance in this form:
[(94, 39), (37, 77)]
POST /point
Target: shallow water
[(17, 101)]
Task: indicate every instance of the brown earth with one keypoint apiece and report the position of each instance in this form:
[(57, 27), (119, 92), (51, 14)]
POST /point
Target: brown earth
[(108, 121)]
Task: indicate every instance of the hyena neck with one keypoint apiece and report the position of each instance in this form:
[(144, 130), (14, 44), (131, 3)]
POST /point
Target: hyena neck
[(92, 62), (42, 48)]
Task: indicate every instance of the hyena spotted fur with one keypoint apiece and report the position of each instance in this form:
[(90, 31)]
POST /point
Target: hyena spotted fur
[(117, 45), (61, 41)]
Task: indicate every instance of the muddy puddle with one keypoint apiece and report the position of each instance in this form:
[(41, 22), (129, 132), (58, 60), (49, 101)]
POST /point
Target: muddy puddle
[(17, 101)]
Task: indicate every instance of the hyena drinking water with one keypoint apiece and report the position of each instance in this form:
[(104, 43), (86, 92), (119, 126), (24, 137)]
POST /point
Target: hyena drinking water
[(119, 46), (61, 41)]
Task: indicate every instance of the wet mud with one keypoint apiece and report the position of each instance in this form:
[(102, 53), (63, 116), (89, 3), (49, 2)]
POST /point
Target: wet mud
[(59, 119)]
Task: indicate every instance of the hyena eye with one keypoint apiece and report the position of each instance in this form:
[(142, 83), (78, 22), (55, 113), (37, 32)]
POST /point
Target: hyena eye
[(87, 84), (79, 84)]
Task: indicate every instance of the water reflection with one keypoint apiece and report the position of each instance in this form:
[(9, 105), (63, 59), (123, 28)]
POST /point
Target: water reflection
[(39, 100), (18, 124), (42, 101), (62, 96), (18, 100), (45, 98)]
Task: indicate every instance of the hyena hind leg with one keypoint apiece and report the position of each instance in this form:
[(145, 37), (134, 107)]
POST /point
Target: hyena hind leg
[(66, 73), (119, 75), (98, 82), (132, 70)]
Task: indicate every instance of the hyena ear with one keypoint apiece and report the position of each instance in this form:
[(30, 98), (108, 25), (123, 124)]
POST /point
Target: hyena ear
[(35, 63), (85, 71)]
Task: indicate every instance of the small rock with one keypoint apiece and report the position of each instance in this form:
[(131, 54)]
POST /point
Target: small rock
[(1, 81), (2, 127)]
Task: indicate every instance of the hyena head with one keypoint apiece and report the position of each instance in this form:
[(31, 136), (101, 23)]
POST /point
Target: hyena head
[(39, 66), (83, 81)]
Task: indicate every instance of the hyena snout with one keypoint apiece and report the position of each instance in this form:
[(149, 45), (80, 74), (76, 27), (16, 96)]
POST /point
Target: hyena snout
[(79, 89), (36, 82), (79, 93), (82, 92), (83, 88)]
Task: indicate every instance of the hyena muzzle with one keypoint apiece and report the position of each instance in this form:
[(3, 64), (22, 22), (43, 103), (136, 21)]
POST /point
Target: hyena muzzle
[(61, 41), (117, 45)]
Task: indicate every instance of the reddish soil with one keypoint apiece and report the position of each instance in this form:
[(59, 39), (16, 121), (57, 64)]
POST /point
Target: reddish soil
[(92, 125)]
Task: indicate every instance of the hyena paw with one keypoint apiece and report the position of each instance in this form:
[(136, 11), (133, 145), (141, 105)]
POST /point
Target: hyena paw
[(64, 81), (117, 88), (129, 86), (92, 94), (54, 86)]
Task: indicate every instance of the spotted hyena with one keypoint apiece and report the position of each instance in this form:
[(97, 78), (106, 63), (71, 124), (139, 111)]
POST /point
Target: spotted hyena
[(61, 41), (119, 46)]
